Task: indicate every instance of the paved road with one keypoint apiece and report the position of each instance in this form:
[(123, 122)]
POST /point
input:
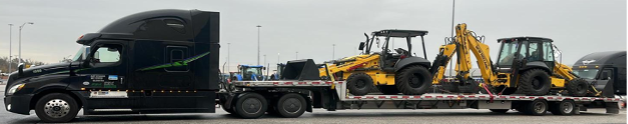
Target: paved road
[(466, 116)]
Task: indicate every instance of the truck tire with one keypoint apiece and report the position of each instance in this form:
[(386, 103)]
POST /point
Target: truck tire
[(359, 84), (56, 108), (577, 87), (565, 107), (388, 89), (499, 110), (291, 105), (413, 80), (250, 105), (534, 82), (536, 107)]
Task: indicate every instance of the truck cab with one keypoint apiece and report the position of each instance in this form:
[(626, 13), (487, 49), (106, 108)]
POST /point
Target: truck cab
[(604, 68), (143, 63)]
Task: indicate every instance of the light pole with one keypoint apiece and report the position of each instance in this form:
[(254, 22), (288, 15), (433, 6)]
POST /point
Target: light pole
[(296, 55), (333, 53), (453, 13), (20, 44), (10, 45), (258, 50), (265, 61), (278, 55)]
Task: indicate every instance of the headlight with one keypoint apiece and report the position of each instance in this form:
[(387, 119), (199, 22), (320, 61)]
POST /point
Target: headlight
[(15, 88)]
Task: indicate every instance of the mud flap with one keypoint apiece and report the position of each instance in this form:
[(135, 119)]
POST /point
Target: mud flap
[(612, 107)]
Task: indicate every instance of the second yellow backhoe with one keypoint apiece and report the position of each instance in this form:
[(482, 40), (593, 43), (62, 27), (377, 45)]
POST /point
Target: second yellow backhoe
[(525, 65)]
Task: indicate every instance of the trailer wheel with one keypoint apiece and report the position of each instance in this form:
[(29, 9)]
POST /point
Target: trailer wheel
[(291, 105), (536, 107), (499, 110), (565, 107), (577, 87), (534, 82), (56, 108), (413, 80), (359, 84), (251, 106)]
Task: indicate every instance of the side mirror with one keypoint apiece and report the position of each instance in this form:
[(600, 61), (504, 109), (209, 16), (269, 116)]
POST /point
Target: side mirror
[(20, 69), (263, 68), (361, 46)]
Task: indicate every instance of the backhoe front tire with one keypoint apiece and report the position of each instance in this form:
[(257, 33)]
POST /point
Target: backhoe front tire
[(534, 82), (577, 87), (413, 80), (359, 84)]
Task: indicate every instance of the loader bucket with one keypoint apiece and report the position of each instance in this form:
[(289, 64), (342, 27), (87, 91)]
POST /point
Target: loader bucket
[(606, 88), (304, 69)]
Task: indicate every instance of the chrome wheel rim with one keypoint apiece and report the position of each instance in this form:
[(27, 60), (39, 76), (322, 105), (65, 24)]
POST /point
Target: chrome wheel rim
[(57, 108)]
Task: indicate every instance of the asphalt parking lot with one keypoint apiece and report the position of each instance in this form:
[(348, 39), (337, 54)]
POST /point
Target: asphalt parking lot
[(466, 116)]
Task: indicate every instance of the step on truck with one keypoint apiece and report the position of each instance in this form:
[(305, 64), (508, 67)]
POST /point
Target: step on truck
[(166, 61)]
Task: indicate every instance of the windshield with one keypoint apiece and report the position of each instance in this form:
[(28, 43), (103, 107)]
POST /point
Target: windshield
[(506, 55), (79, 53), (586, 73), (256, 71)]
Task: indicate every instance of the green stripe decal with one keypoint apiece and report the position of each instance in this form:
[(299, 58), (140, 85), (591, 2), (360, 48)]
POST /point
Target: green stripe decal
[(175, 64)]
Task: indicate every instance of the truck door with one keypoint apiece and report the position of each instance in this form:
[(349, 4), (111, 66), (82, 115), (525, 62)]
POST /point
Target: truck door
[(107, 73)]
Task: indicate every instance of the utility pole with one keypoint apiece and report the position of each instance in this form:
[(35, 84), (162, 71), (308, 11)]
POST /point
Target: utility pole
[(10, 45), (258, 49), (20, 44), (453, 13)]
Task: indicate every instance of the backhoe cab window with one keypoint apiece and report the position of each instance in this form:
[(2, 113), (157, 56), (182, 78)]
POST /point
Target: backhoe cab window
[(507, 53)]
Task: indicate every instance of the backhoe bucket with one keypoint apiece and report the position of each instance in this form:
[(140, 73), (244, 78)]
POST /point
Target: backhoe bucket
[(304, 69)]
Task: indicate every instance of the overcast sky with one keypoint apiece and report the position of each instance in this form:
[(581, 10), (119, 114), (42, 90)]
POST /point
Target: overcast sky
[(578, 27)]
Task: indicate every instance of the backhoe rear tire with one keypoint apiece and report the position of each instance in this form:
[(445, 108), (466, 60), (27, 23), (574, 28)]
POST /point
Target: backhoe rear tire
[(413, 80), (359, 84), (534, 82), (577, 87)]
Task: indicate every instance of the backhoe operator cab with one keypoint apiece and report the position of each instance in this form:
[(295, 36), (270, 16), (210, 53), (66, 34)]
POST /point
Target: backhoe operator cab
[(389, 60), (527, 56)]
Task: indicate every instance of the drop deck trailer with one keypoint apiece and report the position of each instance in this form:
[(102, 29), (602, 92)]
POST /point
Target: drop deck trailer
[(333, 95)]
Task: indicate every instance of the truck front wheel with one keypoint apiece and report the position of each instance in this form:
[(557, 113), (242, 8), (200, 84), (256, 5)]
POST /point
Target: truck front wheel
[(56, 108), (251, 106)]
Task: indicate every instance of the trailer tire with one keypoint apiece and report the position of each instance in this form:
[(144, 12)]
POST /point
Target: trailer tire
[(388, 89), (577, 87), (413, 80), (565, 107), (250, 105), (534, 82), (56, 108), (537, 107), (359, 84), (499, 110), (291, 105)]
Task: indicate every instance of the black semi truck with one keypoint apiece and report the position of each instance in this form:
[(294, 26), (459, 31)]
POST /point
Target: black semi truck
[(147, 62), (603, 69), (166, 61)]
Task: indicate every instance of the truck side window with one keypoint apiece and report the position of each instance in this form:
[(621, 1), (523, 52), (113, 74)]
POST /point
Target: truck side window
[(606, 74), (176, 55), (107, 54)]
